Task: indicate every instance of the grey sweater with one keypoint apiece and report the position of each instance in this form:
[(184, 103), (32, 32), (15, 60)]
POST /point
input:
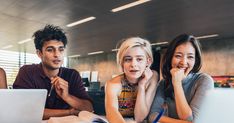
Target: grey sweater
[(195, 86)]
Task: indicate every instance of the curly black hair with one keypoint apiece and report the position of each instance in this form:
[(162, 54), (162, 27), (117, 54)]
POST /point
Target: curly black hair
[(49, 32)]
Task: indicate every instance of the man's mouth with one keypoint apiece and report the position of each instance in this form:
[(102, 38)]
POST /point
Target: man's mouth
[(56, 61)]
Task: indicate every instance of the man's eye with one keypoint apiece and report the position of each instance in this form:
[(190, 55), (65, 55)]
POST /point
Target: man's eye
[(61, 49), (49, 49)]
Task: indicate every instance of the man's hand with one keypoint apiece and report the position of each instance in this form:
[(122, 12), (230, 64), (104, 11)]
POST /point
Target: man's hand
[(60, 86)]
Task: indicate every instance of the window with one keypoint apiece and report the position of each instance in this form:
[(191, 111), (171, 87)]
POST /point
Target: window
[(11, 62)]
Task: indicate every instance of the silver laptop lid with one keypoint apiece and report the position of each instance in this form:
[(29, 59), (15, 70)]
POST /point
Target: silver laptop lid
[(218, 107), (22, 105)]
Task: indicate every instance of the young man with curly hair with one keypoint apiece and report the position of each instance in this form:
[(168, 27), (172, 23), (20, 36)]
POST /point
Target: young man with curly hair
[(68, 95)]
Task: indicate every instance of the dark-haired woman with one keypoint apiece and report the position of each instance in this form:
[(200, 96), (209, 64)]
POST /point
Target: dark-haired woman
[(183, 87), (3, 81)]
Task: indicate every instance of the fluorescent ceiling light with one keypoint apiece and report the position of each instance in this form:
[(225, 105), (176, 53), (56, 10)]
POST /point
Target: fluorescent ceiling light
[(207, 36), (73, 56), (98, 52), (129, 5), (7, 47), (114, 49), (159, 43), (81, 21), (24, 41)]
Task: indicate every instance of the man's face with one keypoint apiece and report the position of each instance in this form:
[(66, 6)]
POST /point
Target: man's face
[(52, 54)]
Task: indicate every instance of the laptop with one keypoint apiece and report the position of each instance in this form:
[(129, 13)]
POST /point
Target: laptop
[(218, 107), (22, 105)]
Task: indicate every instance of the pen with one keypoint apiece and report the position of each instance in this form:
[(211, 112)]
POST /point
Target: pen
[(159, 116), (52, 87)]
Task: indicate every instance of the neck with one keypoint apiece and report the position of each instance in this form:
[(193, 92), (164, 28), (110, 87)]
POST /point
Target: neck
[(49, 72), (131, 81)]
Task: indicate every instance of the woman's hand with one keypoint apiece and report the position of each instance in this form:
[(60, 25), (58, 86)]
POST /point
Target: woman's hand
[(178, 75), (146, 76)]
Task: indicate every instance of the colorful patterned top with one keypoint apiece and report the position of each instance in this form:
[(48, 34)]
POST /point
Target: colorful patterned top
[(127, 99)]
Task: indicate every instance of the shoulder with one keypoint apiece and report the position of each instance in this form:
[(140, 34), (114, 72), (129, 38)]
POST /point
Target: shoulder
[(116, 80), (204, 79), (30, 68), (70, 71), (2, 72), (155, 77), (161, 84), (114, 84)]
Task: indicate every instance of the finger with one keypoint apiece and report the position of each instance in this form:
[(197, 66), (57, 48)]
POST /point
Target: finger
[(53, 80), (61, 84), (187, 71)]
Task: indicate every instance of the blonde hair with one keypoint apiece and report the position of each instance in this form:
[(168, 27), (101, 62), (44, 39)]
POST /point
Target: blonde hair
[(130, 43)]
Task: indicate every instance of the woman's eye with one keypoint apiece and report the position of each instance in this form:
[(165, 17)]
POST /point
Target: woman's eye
[(178, 56), (139, 59), (127, 59), (190, 57)]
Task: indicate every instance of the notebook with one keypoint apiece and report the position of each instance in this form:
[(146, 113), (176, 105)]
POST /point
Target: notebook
[(218, 107), (22, 105)]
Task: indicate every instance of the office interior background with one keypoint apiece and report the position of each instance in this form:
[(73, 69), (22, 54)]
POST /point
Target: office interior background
[(94, 28)]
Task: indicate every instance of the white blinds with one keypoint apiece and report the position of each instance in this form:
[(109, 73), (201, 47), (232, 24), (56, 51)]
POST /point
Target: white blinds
[(11, 62)]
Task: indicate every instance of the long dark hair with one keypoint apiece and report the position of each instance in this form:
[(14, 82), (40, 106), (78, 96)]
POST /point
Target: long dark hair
[(167, 58)]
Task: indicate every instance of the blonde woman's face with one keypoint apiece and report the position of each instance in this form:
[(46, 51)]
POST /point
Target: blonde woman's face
[(134, 63)]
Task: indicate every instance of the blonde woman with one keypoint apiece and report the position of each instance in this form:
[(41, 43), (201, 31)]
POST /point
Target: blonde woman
[(3, 81), (131, 93)]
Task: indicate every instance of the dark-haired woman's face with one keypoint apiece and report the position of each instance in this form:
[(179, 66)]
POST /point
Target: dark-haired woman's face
[(184, 57)]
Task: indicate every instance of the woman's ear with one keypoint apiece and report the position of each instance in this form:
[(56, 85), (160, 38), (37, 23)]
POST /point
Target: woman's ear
[(149, 62)]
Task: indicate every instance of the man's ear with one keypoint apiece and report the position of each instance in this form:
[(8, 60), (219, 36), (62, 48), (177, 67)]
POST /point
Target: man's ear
[(39, 53)]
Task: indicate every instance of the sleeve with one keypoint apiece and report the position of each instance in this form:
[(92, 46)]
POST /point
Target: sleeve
[(204, 83), (158, 100), (23, 80), (77, 88)]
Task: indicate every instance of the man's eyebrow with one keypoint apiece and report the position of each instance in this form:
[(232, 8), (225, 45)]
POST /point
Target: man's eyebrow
[(50, 47), (55, 47)]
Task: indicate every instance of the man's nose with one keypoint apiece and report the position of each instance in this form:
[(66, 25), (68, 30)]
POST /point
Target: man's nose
[(57, 53)]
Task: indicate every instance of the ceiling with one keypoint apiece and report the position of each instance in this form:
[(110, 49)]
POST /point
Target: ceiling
[(157, 21)]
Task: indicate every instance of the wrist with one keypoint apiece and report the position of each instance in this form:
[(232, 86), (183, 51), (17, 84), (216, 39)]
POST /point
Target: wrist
[(141, 87), (70, 112), (67, 97)]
